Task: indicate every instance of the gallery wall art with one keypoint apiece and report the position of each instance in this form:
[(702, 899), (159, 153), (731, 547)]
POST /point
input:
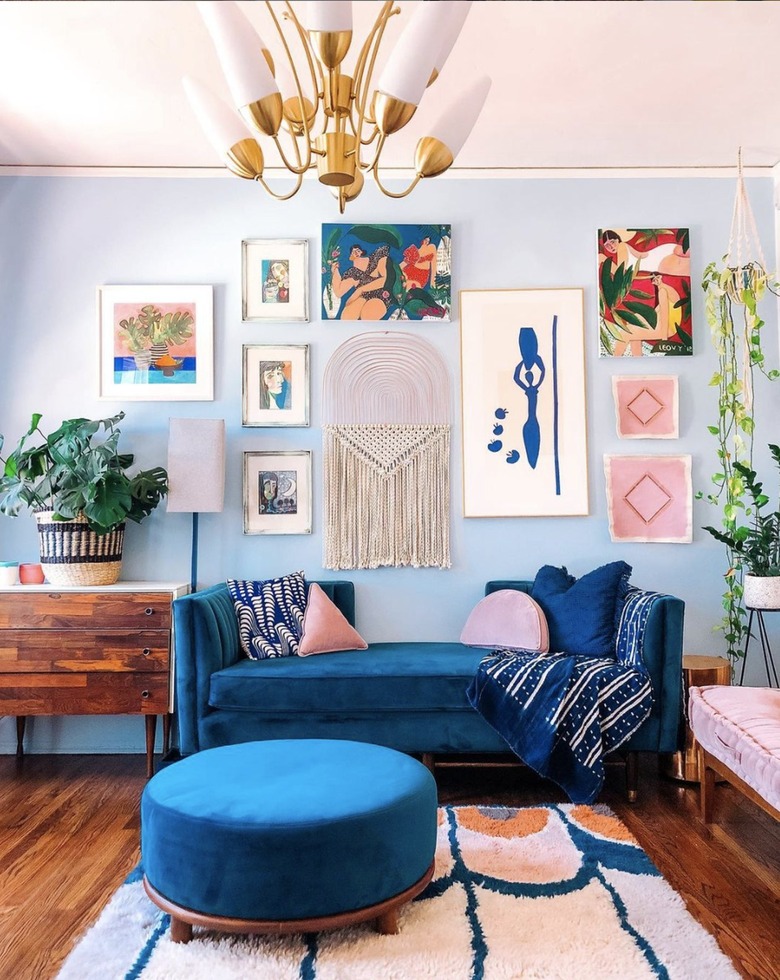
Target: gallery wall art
[(644, 277), (646, 406), (156, 343), (275, 280), (649, 498), (386, 447), (275, 384), (386, 272), (277, 493), (523, 388)]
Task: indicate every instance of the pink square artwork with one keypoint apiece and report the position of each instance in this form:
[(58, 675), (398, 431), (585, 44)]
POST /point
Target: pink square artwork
[(646, 406), (649, 498)]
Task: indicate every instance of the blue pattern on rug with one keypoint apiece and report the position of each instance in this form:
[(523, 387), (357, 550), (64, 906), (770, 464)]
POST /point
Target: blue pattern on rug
[(562, 714)]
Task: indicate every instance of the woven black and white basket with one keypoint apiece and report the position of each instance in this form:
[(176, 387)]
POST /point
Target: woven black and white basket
[(72, 554)]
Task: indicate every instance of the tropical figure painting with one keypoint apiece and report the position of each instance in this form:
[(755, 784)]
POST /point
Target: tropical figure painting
[(386, 272), (644, 292), (523, 382)]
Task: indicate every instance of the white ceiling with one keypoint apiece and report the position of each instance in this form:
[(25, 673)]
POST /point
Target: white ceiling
[(630, 84)]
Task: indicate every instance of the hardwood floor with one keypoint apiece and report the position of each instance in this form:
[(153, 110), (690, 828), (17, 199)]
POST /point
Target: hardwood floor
[(69, 836)]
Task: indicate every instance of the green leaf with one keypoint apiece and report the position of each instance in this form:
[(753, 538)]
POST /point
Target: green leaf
[(377, 234)]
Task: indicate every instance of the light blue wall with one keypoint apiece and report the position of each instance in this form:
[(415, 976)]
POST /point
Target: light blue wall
[(60, 237)]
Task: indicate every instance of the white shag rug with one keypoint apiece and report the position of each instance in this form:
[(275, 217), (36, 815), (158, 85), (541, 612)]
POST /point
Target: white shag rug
[(558, 891)]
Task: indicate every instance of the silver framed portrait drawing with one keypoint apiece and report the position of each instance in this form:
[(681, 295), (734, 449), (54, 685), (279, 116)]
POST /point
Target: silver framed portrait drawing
[(277, 492), (275, 280), (275, 384)]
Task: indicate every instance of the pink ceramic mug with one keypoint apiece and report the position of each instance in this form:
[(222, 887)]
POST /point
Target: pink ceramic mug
[(30, 573)]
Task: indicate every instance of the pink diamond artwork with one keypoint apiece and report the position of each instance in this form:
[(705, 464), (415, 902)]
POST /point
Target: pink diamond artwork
[(649, 498), (646, 406)]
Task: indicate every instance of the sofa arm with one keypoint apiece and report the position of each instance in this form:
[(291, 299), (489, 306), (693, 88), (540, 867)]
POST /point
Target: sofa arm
[(206, 640), (651, 632)]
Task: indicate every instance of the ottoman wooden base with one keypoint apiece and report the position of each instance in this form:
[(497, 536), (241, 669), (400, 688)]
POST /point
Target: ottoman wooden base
[(385, 915)]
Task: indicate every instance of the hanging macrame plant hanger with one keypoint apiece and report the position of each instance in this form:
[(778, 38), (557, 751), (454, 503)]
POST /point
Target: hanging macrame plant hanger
[(745, 257)]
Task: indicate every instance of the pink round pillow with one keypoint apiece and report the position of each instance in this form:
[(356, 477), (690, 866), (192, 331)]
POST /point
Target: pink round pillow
[(507, 620)]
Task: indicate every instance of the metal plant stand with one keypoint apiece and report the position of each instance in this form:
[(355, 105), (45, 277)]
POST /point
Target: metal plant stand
[(766, 649)]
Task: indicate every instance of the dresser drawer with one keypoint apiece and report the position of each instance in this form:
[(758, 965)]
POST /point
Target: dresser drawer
[(82, 610), (83, 694), (34, 651)]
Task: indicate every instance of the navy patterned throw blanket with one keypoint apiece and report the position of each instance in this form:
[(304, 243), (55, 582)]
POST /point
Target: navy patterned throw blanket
[(562, 714)]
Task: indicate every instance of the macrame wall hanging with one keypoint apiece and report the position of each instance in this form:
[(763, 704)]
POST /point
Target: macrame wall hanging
[(386, 441)]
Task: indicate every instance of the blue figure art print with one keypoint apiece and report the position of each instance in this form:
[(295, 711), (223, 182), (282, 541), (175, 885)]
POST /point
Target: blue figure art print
[(523, 403), (386, 272)]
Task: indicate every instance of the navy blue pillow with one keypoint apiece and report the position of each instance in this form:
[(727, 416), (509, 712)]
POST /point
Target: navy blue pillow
[(270, 614), (583, 614)]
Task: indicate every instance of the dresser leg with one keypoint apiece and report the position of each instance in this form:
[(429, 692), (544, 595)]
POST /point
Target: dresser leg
[(166, 733), (21, 721), (151, 732)]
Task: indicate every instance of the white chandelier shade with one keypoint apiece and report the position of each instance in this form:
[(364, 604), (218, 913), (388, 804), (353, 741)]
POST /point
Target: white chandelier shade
[(321, 114)]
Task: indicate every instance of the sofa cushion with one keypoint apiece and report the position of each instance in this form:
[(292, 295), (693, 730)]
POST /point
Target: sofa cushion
[(325, 628), (507, 620), (270, 614), (583, 614), (386, 677)]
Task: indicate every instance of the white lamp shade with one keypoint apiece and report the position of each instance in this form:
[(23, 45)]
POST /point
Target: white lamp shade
[(458, 11), (456, 122), (328, 15), (239, 48), (196, 465), (221, 123), (414, 56)]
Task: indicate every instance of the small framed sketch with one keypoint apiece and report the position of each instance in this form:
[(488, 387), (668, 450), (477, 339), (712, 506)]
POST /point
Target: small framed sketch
[(275, 280), (156, 343), (275, 385), (277, 493)]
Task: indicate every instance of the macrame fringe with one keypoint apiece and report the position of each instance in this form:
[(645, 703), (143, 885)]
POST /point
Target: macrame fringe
[(387, 493)]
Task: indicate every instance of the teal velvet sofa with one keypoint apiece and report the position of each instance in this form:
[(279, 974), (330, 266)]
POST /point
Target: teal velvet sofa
[(407, 695)]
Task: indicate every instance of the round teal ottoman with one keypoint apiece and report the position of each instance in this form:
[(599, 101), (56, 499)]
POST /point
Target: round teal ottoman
[(287, 836)]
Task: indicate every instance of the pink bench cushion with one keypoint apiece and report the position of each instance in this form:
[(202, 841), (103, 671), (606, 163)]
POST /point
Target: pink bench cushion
[(741, 727)]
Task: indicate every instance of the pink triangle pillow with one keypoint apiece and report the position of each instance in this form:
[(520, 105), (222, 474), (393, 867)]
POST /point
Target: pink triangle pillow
[(325, 628), (507, 620)]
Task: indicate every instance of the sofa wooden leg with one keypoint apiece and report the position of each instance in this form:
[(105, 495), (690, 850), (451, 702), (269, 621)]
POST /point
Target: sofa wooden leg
[(632, 776), (428, 762), (181, 931), (707, 788), (387, 923)]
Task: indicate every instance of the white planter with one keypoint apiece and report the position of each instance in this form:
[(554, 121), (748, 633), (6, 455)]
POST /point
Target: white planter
[(762, 592)]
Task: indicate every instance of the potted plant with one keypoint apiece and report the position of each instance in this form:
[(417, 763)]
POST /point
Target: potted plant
[(80, 490)]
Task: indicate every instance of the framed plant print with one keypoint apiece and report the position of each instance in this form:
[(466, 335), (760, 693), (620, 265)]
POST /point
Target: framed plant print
[(386, 272), (644, 277), (275, 385), (156, 343), (277, 493), (275, 280), (523, 397)]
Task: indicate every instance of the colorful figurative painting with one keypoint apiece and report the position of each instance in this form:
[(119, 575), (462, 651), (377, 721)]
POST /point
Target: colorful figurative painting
[(644, 292), (386, 272), (277, 492), (276, 281), (523, 387), (275, 385), (156, 342)]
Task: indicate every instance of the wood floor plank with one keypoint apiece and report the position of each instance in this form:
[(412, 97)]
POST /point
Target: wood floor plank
[(69, 835)]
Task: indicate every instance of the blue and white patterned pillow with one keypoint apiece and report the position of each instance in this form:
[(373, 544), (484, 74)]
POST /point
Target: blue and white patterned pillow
[(270, 614)]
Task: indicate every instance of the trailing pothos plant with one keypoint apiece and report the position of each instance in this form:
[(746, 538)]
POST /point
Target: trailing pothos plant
[(732, 295)]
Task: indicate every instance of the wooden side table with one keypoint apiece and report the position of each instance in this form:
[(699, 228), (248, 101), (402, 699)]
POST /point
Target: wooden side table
[(88, 650), (697, 672)]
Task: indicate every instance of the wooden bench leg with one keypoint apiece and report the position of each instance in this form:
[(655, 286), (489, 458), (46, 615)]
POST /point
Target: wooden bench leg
[(387, 923), (181, 931), (632, 776), (428, 761), (707, 788)]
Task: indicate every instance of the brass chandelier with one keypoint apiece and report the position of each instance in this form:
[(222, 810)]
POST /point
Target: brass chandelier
[(320, 115)]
